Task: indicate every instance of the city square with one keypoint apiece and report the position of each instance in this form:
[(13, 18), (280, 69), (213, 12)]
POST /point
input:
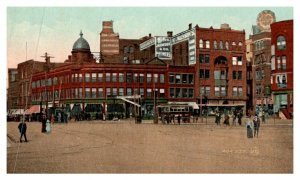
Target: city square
[(126, 147), (126, 90)]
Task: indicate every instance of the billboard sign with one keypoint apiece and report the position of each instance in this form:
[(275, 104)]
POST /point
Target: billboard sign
[(163, 47), (147, 44), (190, 36)]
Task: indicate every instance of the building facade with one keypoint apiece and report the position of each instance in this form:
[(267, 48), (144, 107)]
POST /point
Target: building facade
[(220, 68), (261, 61), (282, 67), (204, 66)]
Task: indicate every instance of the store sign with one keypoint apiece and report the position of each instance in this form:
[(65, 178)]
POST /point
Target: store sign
[(147, 44), (190, 36), (163, 47)]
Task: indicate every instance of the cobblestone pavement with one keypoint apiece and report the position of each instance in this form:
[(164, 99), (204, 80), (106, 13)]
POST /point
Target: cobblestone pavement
[(126, 147)]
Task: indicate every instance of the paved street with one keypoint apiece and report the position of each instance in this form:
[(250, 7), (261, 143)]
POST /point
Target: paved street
[(125, 147)]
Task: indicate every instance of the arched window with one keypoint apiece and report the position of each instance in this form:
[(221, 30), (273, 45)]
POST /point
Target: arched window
[(221, 44), (207, 44), (220, 60), (215, 45), (200, 43), (126, 49), (227, 45), (240, 43), (131, 49), (281, 43)]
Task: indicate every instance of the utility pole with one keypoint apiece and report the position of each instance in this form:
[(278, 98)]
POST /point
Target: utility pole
[(46, 69)]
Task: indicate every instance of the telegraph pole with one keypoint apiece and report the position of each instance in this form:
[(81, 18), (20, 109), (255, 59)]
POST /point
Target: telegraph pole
[(46, 69)]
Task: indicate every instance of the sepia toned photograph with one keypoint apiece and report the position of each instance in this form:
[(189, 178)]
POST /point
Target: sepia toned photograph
[(150, 90)]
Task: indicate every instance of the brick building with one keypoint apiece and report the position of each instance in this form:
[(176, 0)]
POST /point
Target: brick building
[(12, 93), (249, 57), (109, 40), (203, 66), (282, 67), (220, 68)]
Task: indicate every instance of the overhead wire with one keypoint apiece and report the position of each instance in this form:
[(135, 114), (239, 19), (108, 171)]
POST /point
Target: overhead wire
[(29, 84)]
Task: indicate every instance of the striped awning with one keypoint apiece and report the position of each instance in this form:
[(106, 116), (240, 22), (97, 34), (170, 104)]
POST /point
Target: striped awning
[(33, 109)]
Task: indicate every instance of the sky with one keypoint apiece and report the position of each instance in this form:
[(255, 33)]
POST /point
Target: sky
[(55, 29)]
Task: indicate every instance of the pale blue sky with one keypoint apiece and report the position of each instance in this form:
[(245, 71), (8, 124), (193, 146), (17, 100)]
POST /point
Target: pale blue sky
[(61, 26)]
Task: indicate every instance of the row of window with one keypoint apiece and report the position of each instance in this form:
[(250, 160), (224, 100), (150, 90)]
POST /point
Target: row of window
[(259, 45), (221, 91), (280, 64), (205, 58), (181, 92), (98, 93), (98, 77), (219, 74), (280, 80), (218, 45), (181, 78), (128, 49)]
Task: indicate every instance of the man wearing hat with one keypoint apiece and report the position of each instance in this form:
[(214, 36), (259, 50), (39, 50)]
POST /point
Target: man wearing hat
[(22, 129)]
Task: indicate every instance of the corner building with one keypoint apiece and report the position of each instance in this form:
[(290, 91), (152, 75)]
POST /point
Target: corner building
[(282, 67), (206, 64)]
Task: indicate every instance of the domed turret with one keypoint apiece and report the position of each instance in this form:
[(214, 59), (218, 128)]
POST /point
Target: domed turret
[(81, 44)]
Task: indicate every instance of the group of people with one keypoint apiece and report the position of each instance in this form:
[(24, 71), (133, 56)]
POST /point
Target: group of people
[(236, 115), (171, 119), (253, 125)]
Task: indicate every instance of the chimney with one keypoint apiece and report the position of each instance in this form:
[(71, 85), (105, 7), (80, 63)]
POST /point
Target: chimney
[(190, 26), (149, 35), (170, 33)]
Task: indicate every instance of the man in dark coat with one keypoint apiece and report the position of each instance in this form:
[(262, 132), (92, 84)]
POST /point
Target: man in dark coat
[(256, 123), (22, 129)]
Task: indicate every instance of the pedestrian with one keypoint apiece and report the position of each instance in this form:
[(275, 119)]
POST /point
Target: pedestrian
[(256, 123), (59, 117), (249, 127), (48, 126), (234, 119), (44, 123), (178, 119), (239, 116), (217, 118), (263, 117), (22, 129), (52, 119), (226, 120)]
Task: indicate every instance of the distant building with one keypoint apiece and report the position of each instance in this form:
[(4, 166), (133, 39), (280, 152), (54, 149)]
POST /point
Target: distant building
[(282, 67), (261, 61), (109, 40)]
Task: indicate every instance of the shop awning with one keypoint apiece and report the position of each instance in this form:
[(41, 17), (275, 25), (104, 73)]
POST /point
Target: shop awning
[(194, 105), (33, 109), (15, 111)]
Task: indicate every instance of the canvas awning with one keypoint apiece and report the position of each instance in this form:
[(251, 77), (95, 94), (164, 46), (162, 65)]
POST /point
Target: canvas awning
[(194, 105), (33, 109), (15, 111)]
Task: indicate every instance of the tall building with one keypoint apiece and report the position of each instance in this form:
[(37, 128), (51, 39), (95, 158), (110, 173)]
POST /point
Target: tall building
[(220, 68), (282, 67), (249, 57), (261, 41), (109, 40)]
